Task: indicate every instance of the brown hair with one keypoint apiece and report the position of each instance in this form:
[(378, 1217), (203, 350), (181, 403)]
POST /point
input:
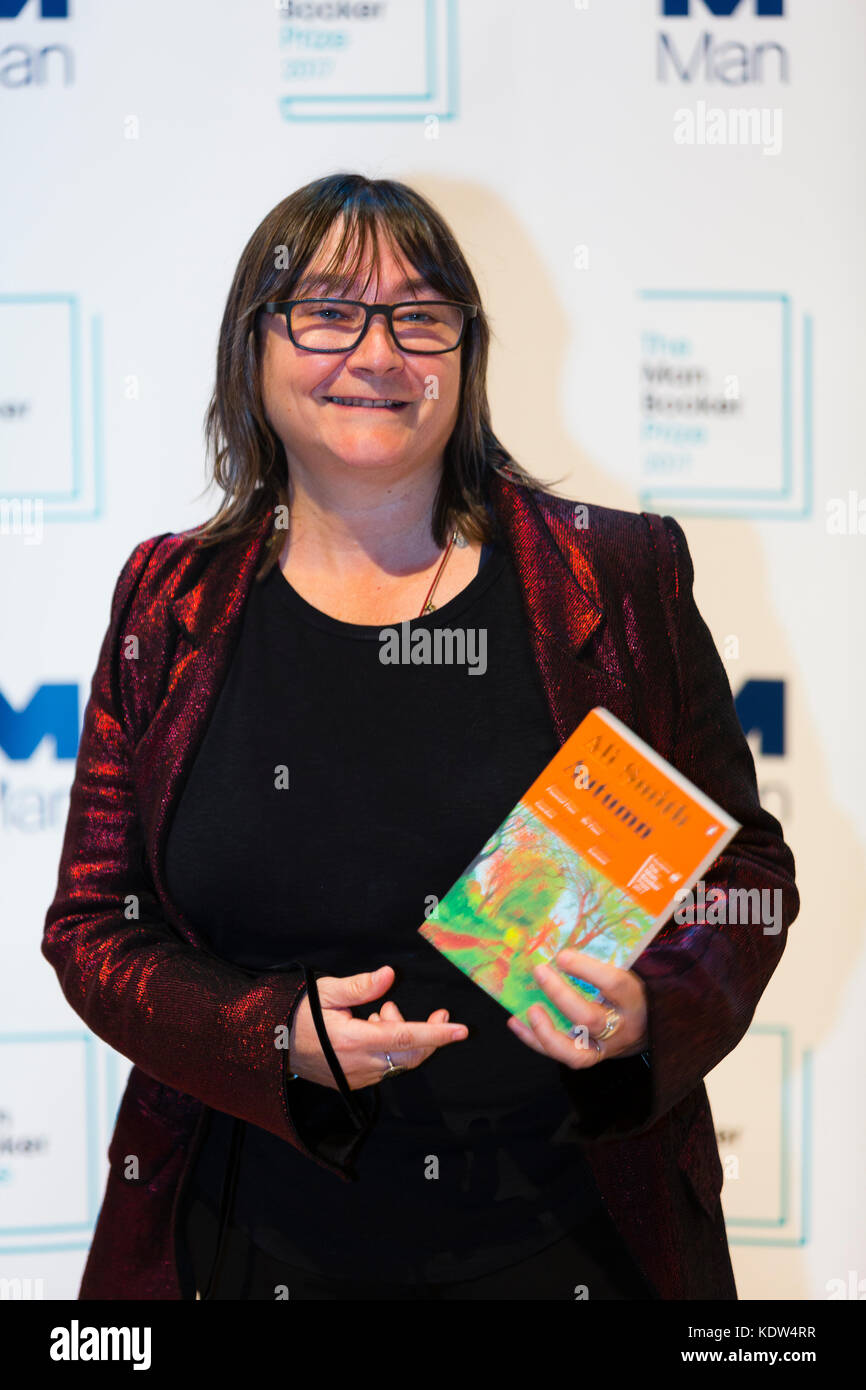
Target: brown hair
[(247, 457)]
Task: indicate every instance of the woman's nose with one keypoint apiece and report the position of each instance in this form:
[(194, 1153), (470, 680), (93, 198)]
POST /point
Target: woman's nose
[(377, 347)]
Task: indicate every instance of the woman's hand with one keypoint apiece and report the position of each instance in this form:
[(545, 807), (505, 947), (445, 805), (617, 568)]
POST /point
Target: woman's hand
[(623, 991), (361, 1044)]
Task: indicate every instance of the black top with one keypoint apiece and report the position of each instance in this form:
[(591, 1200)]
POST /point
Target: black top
[(397, 774)]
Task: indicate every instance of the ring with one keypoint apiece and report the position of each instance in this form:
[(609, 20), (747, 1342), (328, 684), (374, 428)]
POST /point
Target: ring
[(391, 1070), (612, 1020), (577, 1031)]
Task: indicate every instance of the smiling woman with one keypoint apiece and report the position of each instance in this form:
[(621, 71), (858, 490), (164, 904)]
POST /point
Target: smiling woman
[(365, 400), (330, 369), (284, 806), (331, 239)]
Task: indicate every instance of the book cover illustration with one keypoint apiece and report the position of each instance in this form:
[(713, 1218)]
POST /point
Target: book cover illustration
[(593, 856)]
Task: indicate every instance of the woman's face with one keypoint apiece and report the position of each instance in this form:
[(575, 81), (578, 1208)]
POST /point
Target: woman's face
[(318, 433)]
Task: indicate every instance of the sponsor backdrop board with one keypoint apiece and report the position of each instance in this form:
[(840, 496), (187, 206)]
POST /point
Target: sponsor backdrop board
[(661, 203)]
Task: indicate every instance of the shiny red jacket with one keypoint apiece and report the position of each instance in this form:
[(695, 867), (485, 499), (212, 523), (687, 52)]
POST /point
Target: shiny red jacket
[(613, 622)]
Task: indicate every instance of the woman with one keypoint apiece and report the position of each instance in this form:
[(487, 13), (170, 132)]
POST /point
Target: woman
[(264, 810)]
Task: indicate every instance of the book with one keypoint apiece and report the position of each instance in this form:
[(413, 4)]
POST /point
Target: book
[(596, 855)]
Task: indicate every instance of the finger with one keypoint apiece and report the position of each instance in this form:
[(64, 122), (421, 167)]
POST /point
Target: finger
[(347, 991), (415, 1056), (404, 1037), (390, 1012), (569, 1000), (355, 1034), (615, 984), (576, 1053), (525, 1035)]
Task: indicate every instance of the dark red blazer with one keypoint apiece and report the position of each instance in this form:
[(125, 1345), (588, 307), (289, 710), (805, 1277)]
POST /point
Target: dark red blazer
[(613, 622)]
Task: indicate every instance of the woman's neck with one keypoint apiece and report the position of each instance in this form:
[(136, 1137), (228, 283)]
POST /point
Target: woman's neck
[(367, 554), (362, 525)]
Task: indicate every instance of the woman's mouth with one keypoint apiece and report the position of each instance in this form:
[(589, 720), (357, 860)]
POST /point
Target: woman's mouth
[(366, 402)]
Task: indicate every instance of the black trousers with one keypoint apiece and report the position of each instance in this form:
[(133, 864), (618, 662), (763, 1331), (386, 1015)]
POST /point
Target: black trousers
[(591, 1263)]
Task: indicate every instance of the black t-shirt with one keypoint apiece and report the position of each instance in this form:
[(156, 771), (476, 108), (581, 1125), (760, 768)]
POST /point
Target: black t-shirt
[(396, 775)]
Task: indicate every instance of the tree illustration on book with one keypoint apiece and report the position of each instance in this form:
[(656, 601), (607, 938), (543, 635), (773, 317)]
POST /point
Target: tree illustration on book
[(523, 898)]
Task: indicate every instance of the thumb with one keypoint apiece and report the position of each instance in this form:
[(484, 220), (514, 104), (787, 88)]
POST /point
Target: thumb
[(345, 991)]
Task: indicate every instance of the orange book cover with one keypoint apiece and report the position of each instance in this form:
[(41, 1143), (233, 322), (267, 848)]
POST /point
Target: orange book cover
[(594, 856)]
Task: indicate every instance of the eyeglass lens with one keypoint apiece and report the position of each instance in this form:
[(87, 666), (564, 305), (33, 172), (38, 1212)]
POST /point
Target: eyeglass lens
[(423, 326)]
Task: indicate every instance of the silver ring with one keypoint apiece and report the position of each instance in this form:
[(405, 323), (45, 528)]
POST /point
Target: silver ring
[(612, 1020), (391, 1070), (576, 1031)]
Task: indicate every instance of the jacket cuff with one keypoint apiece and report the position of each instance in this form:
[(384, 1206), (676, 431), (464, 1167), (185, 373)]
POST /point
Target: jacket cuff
[(323, 1122), (323, 1125)]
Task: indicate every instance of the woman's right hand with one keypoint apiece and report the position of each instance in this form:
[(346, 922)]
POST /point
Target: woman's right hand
[(361, 1044)]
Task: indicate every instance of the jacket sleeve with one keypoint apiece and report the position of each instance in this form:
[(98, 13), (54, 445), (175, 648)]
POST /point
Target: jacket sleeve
[(190, 1020), (703, 980)]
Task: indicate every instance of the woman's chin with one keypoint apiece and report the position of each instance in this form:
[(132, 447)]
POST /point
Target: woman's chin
[(373, 456)]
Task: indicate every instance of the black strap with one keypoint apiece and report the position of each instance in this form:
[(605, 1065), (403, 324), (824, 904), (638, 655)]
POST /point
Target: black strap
[(232, 1169), (324, 1041), (326, 1046)]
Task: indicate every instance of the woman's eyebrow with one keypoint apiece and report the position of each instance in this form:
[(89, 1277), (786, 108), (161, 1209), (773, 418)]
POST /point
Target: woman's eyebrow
[(316, 284)]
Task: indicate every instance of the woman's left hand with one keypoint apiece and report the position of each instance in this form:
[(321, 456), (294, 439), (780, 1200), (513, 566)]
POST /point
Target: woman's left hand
[(623, 991)]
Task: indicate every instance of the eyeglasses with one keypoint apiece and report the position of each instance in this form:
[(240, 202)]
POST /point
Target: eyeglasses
[(338, 325)]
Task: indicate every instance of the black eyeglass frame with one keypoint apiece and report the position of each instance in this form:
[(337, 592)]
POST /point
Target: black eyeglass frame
[(285, 306)]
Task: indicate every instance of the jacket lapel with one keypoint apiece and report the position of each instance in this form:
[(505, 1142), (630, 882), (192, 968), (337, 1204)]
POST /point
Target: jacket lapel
[(563, 605)]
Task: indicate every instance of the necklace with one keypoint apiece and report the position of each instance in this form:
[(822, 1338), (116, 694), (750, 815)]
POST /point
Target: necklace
[(428, 606)]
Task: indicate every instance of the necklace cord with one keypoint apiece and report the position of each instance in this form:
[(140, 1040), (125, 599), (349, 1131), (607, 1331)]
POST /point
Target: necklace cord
[(427, 606)]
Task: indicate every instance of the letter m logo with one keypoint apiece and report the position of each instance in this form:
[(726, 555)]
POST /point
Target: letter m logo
[(723, 9), (48, 9), (53, 710), (760, 706)]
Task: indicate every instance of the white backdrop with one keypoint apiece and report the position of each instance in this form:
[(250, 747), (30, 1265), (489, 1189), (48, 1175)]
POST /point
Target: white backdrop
[(666, 220)]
